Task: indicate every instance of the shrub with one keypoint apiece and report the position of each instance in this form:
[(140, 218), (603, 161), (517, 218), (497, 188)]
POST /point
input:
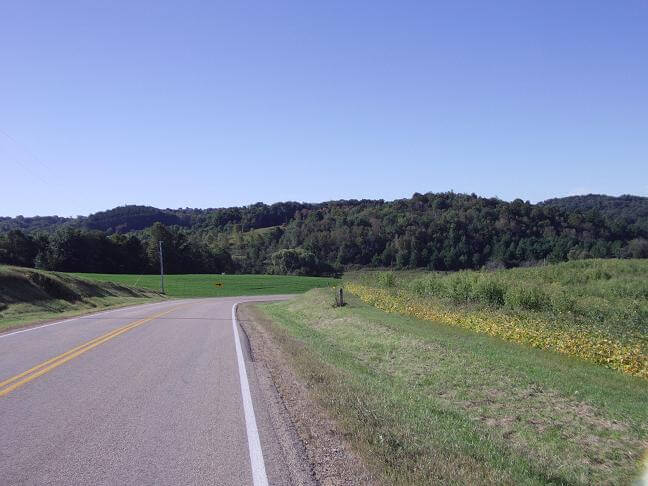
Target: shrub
[(490, 291), (386, 279), (460, 288), (526, 297), (436, 287), (561, 302), (431, 286)]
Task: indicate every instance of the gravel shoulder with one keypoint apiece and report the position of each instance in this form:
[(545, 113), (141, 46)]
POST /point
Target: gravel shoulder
[(313, 446)]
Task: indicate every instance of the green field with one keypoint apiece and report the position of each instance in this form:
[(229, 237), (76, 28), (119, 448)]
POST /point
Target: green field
[(206, 285), (425, 402)]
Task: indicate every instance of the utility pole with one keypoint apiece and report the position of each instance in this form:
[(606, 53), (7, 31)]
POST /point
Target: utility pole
[(161, 269)]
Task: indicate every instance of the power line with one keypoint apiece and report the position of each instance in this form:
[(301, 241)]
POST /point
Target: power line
[(26, 149), (28, 169), (48, 179)]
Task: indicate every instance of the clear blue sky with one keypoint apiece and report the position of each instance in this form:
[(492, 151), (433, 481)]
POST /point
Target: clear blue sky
[(210, 104)]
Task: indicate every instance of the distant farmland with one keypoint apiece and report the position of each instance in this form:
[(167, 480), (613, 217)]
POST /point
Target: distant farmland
[(216, 285)]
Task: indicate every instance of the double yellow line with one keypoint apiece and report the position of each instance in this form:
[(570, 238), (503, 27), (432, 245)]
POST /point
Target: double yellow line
[(21, 379)]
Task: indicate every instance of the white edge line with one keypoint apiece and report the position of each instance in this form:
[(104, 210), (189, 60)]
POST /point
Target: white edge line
[(259, 477), (73, 319)]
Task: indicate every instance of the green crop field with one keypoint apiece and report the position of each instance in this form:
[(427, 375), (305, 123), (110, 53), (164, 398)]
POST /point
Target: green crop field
[(208, 285)]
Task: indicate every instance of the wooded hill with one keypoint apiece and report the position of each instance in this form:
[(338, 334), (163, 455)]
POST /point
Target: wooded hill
[(444, 231)]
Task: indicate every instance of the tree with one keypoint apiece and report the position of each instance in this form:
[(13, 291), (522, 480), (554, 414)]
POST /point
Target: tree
[(16, 248), (638, 248)]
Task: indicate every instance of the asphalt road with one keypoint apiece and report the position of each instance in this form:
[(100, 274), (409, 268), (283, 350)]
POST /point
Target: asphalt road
[(144, 395)]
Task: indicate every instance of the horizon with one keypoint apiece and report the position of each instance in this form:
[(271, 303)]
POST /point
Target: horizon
[(199, 106), (306, 202)]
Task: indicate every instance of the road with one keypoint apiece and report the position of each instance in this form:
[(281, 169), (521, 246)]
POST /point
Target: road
[(144, 395)]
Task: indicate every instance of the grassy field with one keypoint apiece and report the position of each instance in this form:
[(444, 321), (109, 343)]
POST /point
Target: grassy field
[(205, 285), (28, 295), (425, 402), (594, 309)]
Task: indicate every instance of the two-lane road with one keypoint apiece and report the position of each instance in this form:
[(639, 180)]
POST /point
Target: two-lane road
[(144, 395)]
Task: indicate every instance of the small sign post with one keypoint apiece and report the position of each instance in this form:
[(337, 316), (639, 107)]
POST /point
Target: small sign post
[(161, 269), (339, 298)]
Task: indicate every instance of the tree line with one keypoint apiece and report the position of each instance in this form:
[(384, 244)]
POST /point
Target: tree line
[(444, 231), (75, 250)]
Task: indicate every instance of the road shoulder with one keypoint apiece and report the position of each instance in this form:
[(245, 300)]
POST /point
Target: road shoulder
[(56, 317), (313, 445)]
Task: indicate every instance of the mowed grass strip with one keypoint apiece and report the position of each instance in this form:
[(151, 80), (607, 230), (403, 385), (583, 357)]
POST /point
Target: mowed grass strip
[(209, 285), (427, 403)]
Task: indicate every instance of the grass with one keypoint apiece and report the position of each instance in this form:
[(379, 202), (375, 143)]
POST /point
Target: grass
[(428, 403), (595, 309), (28, 296), (204, 285), (611, 295)]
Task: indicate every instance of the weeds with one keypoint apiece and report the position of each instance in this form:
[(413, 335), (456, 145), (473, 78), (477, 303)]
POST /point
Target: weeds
[(596, 310)]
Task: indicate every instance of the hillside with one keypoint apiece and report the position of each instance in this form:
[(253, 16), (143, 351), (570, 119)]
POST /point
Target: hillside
[(444, 231), (125, 219), (631, 208), (28, 295), (35, 223)]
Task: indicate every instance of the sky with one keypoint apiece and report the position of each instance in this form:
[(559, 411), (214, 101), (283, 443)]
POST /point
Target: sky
[(214, 104)]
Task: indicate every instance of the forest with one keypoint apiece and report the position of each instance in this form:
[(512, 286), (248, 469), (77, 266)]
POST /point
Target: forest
[(435, 231)]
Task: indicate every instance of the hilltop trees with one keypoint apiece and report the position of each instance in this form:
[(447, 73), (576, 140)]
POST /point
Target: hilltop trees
[(297, 262), (444, 231)]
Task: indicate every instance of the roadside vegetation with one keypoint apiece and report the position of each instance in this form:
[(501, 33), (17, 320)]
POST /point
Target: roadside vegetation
[(596, 310), (425, 402), (216, 285), (28, 296)]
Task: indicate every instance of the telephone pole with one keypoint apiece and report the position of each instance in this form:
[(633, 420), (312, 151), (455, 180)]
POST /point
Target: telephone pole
[(161, 269)]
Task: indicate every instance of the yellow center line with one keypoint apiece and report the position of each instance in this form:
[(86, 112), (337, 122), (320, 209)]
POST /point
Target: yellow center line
[(44, 363), (55, 362)]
